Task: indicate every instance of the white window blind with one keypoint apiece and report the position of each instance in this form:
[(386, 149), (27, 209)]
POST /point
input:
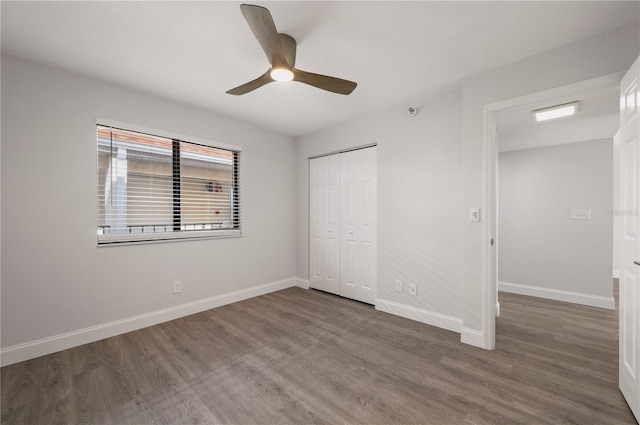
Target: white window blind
[(152, 187)]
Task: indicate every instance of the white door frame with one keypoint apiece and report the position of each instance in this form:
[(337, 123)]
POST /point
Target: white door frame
[(490, 166)]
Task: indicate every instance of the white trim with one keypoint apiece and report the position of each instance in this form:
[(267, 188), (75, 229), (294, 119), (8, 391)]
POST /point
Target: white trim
[(302, 283), (616, 274), (52, 344), (558, 295), (169, 236), (489, 233), (473, 337), (429, 317), (168, 134), (610, 80), (489, 278), (357, 148)]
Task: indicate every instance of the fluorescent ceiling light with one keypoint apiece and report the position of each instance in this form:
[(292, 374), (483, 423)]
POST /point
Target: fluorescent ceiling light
[(557, 111)]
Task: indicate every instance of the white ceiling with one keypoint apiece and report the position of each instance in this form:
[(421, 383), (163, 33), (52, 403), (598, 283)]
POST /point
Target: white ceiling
[(397, 52)]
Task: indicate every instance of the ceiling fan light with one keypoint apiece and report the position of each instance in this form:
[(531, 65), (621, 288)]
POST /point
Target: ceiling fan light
[(282, 75)]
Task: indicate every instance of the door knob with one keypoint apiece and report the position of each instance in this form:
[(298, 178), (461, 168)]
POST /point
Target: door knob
[(637, 263)]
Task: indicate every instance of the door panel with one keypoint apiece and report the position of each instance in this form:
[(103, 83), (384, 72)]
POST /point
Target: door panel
[(358, 229), (350, 266), (367, 195), (366, 264), (628, 323), (324, 209), (629, 352)]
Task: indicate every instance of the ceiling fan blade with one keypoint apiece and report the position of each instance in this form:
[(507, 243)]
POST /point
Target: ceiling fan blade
[(288, 44), (264, 29), (324, 82), (252, 85)]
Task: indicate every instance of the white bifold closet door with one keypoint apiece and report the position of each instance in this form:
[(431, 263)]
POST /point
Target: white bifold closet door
[(324, 220), (343, 216)]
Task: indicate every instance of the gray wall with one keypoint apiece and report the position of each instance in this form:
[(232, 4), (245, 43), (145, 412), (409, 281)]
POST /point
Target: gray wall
[(604, 54), (427, 235), (54, 277), (540, 246), (420, 217)]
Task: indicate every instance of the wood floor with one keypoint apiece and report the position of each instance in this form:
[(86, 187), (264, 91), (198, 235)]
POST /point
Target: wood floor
[(305, 357)]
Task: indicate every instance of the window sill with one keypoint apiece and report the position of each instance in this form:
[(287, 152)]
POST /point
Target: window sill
[(141, 239)]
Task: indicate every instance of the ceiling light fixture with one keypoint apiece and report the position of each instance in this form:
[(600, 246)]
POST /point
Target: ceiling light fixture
[(557, 111), (282, 75)]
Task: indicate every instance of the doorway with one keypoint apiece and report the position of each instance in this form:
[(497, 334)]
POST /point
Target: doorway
[(490, 258), (555, 195)]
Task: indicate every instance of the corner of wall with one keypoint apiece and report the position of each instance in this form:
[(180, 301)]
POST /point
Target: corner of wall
[(32, 349), (302, 283), (476, 338)]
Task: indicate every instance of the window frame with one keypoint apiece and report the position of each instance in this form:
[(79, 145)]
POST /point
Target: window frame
[(180, 235)]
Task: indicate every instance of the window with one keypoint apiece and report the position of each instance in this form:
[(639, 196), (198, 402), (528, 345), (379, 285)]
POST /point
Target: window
[(159, 187)]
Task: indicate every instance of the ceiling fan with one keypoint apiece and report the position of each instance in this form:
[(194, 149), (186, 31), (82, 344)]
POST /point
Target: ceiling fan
[(281, 52)]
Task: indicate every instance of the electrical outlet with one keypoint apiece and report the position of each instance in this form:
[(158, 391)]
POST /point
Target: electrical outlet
[(398, 285), (177, 287), (413, 289)]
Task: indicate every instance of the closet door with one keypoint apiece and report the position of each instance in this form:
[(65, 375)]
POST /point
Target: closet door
[(324, 215), (358, 230)]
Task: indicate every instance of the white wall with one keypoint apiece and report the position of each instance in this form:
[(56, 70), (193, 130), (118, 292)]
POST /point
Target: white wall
[(55, 279), (419, 203), (53, 276), (427, 236), (542, 251), (597, 56)]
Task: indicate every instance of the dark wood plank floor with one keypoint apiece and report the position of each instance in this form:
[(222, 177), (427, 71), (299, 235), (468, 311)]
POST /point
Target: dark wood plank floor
[(306, 357)]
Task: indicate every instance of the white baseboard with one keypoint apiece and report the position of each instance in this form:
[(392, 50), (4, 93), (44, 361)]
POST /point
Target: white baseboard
[(616, 274), (558, 295), (41, 347), (473, 337), (429, 317), (302, 283)]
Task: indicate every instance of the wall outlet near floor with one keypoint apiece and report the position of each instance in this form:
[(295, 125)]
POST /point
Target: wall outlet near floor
[(177, 287), (398, 285), (413, 289)]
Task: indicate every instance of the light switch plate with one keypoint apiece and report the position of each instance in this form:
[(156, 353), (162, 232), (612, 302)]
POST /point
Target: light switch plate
[(580, 214), (474, 214)]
